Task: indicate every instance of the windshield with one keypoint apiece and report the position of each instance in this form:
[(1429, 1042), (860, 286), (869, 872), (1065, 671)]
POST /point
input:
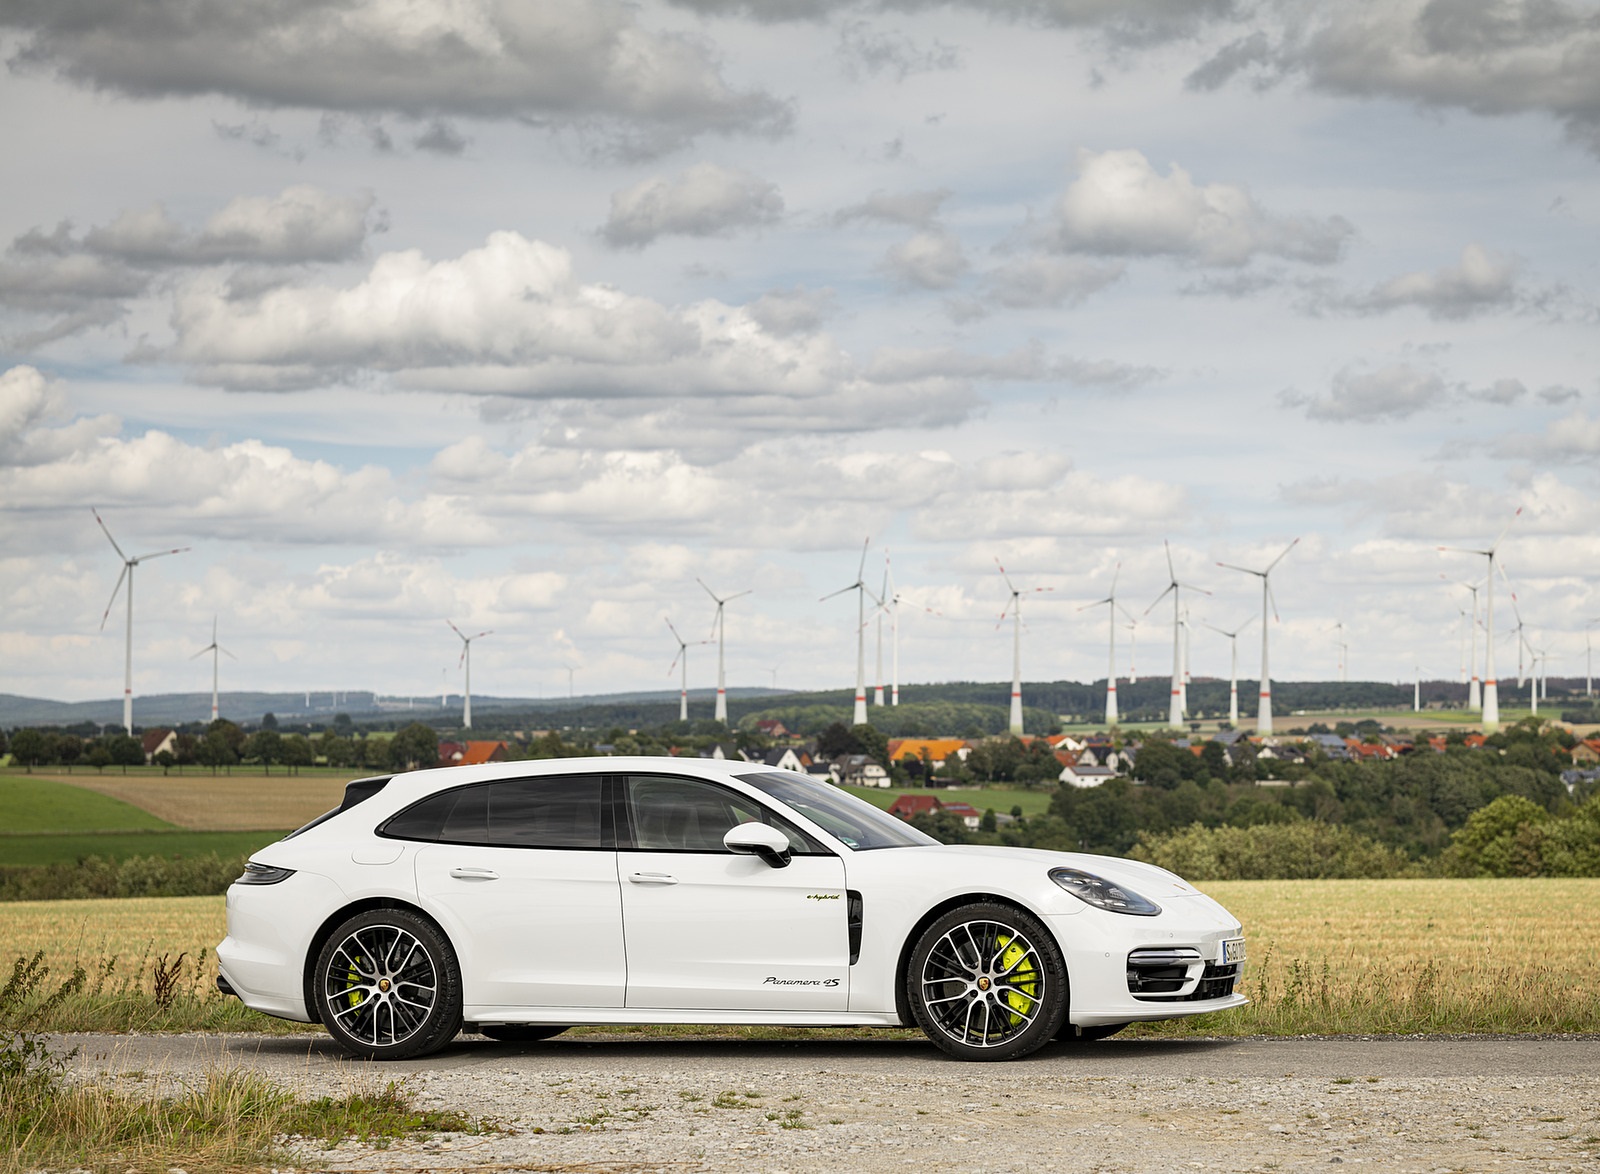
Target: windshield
[(854, 822)]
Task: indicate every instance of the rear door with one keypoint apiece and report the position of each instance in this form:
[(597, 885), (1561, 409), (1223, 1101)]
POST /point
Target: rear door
[(708, 929), (522, 873)]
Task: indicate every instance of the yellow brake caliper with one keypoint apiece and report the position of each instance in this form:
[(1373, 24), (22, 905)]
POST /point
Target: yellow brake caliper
[(354, 978), (1023, 981)]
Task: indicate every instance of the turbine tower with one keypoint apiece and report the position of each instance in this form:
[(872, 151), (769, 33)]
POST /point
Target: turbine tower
[(466, 661), (883, 605), (718, 625), (859, 717), (1133, 649), (1344, 649), (892, 600), (1474, 692), (1014, 608), (683, 685), (1112, 607), (127, 573), (1175, 709), (213, 648), (1588, 659), (1233, 673), (1269, 608), (1491, 690)]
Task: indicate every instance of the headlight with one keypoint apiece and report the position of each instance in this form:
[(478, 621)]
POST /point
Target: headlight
[(263, 874), (1103, 894)]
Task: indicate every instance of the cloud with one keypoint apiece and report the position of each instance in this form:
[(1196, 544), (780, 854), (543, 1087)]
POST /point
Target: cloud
[(1482, 281), (1129, 22), (1032, 282), (36, 425), (1119, 205), (706, 200), (1573, 439), (88, 279), (786, 312), (558, 62), (1489, 57), (865, 50), (913, 209), (932, 259), (1389, 393)]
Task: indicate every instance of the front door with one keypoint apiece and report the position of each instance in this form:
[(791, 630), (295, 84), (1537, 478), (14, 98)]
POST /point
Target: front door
[(708, 929)]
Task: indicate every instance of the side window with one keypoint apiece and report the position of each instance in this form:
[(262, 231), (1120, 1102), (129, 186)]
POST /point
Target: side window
[(517, 813), (687, 815), (547, 813)]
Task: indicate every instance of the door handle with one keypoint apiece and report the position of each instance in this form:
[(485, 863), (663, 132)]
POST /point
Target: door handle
[(652, 878), (474, 873)]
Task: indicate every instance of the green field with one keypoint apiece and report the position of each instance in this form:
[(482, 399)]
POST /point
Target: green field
[(1002, 799), (47, 822), (33, 806), (59, 849)]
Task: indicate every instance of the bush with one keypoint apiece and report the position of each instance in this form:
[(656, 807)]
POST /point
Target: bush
[(1303, 850), (137, 876)]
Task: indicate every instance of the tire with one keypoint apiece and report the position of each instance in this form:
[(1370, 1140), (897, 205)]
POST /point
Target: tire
[(518, 1033), (987, 982), (387, 986), (1087, 1035)]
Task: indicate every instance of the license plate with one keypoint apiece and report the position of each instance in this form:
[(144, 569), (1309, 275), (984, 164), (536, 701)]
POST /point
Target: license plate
[(1232, 951)]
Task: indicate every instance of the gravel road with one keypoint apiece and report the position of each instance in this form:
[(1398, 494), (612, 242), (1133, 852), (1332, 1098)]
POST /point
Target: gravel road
[(623, 1105)]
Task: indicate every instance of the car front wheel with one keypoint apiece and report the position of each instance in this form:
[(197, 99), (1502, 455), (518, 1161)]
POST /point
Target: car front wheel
[(988, 982), (388, 987)]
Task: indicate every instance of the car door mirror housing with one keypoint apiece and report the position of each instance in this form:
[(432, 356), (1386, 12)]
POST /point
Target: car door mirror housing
[(758, 839)]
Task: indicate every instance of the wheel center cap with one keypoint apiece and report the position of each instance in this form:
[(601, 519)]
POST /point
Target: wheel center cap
[(383, 984), (983, 983)]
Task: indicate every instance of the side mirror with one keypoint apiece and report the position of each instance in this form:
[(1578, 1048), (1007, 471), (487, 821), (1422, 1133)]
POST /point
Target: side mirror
[(758, 839)]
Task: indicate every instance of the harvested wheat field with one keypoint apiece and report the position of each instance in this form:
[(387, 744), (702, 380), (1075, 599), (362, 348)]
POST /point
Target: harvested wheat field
[(219, 803)]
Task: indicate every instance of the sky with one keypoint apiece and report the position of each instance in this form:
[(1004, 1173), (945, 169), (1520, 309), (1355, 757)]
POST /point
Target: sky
[(527, 315)]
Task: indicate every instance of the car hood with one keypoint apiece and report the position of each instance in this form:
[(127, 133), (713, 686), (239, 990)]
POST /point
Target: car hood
[(1145, 879)]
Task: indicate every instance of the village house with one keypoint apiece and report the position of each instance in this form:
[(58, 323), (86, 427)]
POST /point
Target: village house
[(155, 741), (471, 753), (906, 806)]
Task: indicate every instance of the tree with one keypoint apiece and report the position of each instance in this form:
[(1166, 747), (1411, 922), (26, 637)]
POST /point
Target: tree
[(342, 725), (264, 746), (99, 755), (414, 747), (296, 752), (166, 760), (126, 751), (218, 747), (838, 740), (28, 748), (269, 721)]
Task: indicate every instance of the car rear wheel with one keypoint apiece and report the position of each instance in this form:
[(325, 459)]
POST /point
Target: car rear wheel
[(518, 1033), (988, 982), (387, 986)]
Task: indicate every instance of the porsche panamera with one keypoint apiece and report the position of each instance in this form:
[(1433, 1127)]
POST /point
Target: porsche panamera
[(519, 899)]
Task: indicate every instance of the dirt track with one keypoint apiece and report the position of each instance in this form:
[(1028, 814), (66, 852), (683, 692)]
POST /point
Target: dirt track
[(624, 1105)]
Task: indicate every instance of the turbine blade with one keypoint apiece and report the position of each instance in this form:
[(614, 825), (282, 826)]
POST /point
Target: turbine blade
[(1281, 557), (1493, 546), (841, 591), (1116, 573), (490, 632), (1246, 570), (226, 653), (736, 595), (107, 529), (862, 569), (708, 590), (455, 629), (674, 663), (674, 632), (107, 614), (1171, 587), (1172, 571), (1272, 599), (1005, 576), (160, 553), (202, 652)]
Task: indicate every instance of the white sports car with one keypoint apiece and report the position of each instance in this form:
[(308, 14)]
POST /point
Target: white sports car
[(519, 899)]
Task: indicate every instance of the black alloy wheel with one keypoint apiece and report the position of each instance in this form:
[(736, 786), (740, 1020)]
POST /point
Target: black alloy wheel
[(387, 986), (987, 982)]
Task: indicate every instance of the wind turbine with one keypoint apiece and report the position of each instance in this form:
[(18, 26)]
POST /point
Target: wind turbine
[(466, 660), (1269, 605), (891, 603), (1491, 690), (859, 717), (719, 625), (1474, 693), (1344, 649), (213, 648), (1014, 609), (683, 686), (1416, 690), (1133, 649), (1112, 607), (883, 605), (1175, 710), (1588, 658), (127, 573), (1183, 689), (1233, 673)]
